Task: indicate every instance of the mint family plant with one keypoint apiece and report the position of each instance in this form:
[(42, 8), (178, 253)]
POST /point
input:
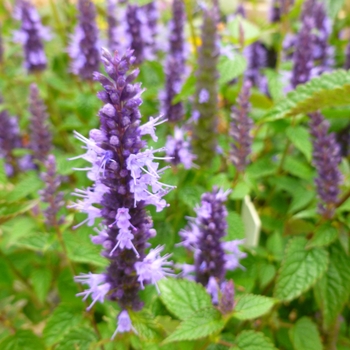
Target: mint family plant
[(174, 175)]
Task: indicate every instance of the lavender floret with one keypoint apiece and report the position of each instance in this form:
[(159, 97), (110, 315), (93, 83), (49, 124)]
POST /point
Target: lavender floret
[(240, 129), (40, 135), (204, 140), (31, 36), (84, 47), (50, 194), (226, 303), (326, 158), (126, 180)]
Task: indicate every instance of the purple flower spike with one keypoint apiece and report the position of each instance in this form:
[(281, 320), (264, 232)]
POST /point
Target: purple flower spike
[(326, 158), (40, 136), (9, 140), (226, 303), (84, 47), (203, 236), (126, 179), (240, 129), (31, 36), (133, 14), (50, 194), (303, 55), (175, 65)]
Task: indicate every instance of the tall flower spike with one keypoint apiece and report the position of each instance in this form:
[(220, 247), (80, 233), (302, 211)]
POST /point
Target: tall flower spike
[(204, 140), (175, 64), (204, 235), (303, 55), (40, 136), (240, 129), (126, 179), (50, 194), (151, 13), (31, 36), (9, 140), (326, 158), (137, 42), (84, 48)]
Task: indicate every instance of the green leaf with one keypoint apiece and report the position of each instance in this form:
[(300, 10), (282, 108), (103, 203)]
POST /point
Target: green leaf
[(235, 227), (203, 323), (251, 306), (10, 210), (29, 185), (41, 280), (250, 340), (240, 191), (188, 89), (333, 290), (297, 168), (324, 236), (77, 338), (183, 297), (63, 319), (327, 90), (230, 69), (300, 138), (3, 177), (275, 85), (250, 30), (333, 7), (23, 339), (304, 335), (300, 269), (146, 326)]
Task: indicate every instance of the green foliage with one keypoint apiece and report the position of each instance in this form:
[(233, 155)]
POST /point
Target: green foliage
[(23, 339), (183, 298), (300, 269), (78, 337), (250, 340), (305, 336), (250, 306), (200, 324), (328, 90)]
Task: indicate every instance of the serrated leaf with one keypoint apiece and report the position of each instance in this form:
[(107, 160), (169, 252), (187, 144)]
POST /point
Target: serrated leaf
[(300, 138), (304, 335), (327, 90), (201, 324), (250, 30), (145, 325), (297, 168), (324, 236), (28, 185), (41, 280), (183, 297), (63, 319), (333, 289), (10, 210), (250, 340), (230, 69), (235, 227), (77, 338), (240, 191), (251, 306), (23, 339), (300, 269)]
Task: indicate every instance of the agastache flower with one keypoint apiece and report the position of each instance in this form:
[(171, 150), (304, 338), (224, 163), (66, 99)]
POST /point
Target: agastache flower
[(175, 64), (31, 36), (51, 194), (326, 158), (204, 140), (204, 236), (84, 47), (9, 140), (40, 136), (151, 13), (240, 129), (126, 179)]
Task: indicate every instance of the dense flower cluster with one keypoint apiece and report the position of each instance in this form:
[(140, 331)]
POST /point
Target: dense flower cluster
[(240, 129), (40, 135), (126, 180), (205, 110), (175, 65), (84, 47), (50, 194), (204, 237), (31, 36), (326, 158)]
